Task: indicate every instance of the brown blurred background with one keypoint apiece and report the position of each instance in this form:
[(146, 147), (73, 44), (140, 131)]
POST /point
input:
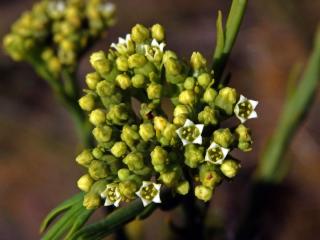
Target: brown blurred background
[(38, 142)]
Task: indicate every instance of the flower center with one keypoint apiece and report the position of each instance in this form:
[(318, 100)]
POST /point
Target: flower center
[(149, 192), (190, 133), (245, 109), (112, 194), (215, 154)]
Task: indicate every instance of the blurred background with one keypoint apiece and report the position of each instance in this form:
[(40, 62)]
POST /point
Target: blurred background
[(38, 143)]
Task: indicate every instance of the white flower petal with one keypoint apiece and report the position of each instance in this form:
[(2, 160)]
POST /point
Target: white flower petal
[(157, 199), (225, 152), (108, 202), (185, 142), (198, 140), (157, 186), (200, 127), (117, 203), (242, 99), (253, 114), (188, 123), (253, 103), (154, 43), (145, 202)]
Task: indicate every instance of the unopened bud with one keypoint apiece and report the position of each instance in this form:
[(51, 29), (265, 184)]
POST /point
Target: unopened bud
[(97, 117), (84, 158), (102, 133), (230, 168), (92, 79), (226, 99), (140, 33), (119, 149), (87, 102), (123, 81), (137, 60), (223, 137), (85, 182), (91, 201), (158, 32), (203, 193)]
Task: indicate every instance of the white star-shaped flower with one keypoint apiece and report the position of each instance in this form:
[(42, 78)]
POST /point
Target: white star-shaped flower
[(216, 154), (245, 109), (112, 195), (149, 192), (122, 43), (190, 133), (154, 52)]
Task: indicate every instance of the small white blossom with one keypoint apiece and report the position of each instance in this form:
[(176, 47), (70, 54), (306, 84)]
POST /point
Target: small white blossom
[(123, 43), (112, 195), (190, 133), (149, 192), (245, 109), (154, 52), (216, 154), (107, 8)]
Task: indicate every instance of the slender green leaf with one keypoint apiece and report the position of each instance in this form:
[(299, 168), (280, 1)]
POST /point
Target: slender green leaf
[(220, 39), (60, 209), (81, 220), (64, 223), (111, 223), (292, 115)]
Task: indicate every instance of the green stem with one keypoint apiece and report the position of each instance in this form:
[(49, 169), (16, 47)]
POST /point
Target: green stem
[(68, 95)]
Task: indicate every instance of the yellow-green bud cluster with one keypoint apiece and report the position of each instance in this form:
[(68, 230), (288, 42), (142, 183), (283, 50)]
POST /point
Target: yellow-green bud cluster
[(57, 31), (136, 141)]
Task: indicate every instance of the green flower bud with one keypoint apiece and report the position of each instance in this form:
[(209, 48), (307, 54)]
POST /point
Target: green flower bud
[(128, 189), (123, 81), (124, 174), (103, 67), (226, 99), (209, 96), (138, 81), (173, 66), (204, 80), (92, 79), (137, 60), (130, 135), (208, 116), (146, 131), (181, 110), (193, 155), (171, 178), (168, 55), (102, 133), (154, 91), (122, 63), (159, 123), (203, 193), (169, 135), (197, 61), (243, 136), (119, 149), (87, 102), (97, 56), (91, 201), (105, 88), (209, 176), (180, 120), (85, 182), (189, 83), (230, 168), (140, 33), (158, 32), (98, 169), (159, 159), (183, 188), (118, 114), (134, 161), (187, 97), (97, 117), (97, 153), (223, 137), (84, 158), (54, 65)]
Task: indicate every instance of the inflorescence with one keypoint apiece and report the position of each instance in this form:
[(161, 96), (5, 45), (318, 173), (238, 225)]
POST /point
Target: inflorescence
[(140, 148), (56, 32)]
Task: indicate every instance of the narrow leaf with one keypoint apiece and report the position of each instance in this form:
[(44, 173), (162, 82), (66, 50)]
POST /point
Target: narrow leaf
[(59, 209)]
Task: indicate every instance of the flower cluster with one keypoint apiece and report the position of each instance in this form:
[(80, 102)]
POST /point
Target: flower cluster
[(140, 147), (57, 31)]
